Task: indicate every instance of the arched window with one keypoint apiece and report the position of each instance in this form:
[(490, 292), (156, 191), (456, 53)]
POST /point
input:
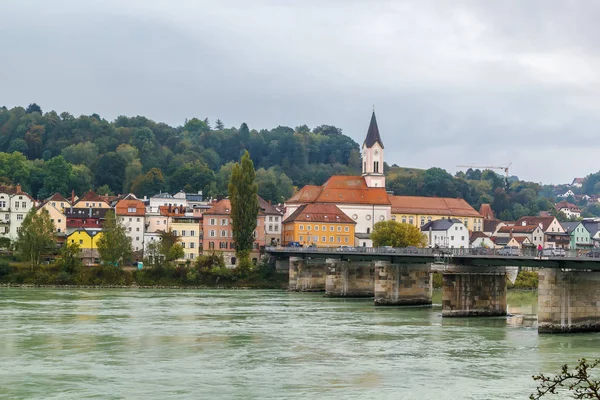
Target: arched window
[(233, 260), (368, 230)]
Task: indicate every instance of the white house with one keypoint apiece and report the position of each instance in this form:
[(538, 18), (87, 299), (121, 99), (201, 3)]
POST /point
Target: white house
[(14, 206), (480, 239), (533, 232), (165, 199), (131, 212), (450, 233), (577, 182), (567, 194), (569, 209)]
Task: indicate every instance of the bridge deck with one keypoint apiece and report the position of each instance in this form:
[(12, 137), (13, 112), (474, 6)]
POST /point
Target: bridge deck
[(467, 257)]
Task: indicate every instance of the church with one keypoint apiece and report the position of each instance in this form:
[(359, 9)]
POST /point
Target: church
[(362, 198)]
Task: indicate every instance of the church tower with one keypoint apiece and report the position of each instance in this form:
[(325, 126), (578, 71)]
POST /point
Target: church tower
[(372, 156)]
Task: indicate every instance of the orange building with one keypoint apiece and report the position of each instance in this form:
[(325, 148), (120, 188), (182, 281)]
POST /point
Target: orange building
[(131, 212), (322, 225)]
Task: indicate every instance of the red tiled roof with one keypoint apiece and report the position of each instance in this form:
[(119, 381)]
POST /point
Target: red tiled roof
[(222, 207), (57, 197), (518, 229), (342, 189), (91, 196), (476, 235), (486, 211), (171, 211), (316, 212), (565, 204), (123, 206), (545, 221), (432, 206), (521, 239), (267, 208)]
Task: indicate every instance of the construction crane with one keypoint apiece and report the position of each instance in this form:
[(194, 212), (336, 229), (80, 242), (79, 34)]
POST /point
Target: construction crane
[(482, 167)]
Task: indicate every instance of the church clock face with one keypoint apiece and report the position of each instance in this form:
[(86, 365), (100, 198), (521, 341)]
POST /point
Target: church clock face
[(376, 152)]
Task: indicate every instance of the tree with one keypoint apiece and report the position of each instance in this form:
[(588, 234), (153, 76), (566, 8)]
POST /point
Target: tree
[(397, 234), (219, 125), (150, 184), (69, 258), (36, 236), (114, 246), (170, 248), (33, 107), (580, 382), (80, 153), (5, 243), (243, 194)]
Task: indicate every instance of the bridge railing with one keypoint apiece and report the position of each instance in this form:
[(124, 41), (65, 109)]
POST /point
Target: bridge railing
[(527, 252)]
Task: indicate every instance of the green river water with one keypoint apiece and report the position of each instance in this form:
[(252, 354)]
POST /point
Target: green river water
[(251, 344)]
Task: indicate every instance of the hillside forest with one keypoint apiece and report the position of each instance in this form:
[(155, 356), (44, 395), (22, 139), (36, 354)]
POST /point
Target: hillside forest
[(48, 152)]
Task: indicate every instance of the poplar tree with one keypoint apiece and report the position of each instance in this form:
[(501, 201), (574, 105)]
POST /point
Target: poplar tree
[(114, 246), (243, 195), (35, 236)]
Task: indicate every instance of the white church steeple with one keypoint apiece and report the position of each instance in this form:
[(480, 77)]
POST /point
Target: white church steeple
[(372, 156)]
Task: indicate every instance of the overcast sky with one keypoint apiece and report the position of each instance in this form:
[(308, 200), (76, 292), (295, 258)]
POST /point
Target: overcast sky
[(453, 82)]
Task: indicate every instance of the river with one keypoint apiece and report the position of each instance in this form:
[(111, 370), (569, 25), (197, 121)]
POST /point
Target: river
[(243, 344)]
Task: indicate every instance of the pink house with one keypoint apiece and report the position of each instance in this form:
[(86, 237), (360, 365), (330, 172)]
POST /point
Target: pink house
[(218, 234)]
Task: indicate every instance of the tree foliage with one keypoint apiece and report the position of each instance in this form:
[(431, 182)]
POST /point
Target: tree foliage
[(397, 234), (243, 194), (36, 236), (579, 382), (114, 246)]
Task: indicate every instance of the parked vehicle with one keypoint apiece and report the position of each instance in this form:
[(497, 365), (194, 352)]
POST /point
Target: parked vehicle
[(551, 252), (387, 249), (509, 251), (594, 253), (410, 250), (294, 244), (346, 248)]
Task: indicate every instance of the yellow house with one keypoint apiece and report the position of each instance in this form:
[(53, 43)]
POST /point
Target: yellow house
[(88, 244), (85, 239), (418, 211), (188, 230), (57, 217), (323, 225)]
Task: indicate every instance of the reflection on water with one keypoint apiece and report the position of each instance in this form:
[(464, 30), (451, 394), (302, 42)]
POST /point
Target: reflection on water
[(73, 344)]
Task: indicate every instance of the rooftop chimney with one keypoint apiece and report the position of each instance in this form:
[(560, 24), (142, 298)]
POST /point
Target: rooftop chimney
[(18, 188)]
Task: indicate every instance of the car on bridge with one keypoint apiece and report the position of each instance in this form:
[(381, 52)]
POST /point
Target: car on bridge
[(480, 251), (509, 251), (552, 252), (409, 250), (346, 248), (594, 253), (387, 249)]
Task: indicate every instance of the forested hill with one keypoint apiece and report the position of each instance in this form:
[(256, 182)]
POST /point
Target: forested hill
[(50, 152)]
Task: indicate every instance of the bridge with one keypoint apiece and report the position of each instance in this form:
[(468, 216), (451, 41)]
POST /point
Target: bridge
[(474, 280)]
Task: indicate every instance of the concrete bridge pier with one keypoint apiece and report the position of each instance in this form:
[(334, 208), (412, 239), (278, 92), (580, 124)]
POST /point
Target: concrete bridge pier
[(402, 284), (349, 278), (568, 301), (473, 292), (306, 275)]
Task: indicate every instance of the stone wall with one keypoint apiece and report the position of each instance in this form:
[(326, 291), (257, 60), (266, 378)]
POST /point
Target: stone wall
[(568, 301), (402, 284), (349, 279), (307, 275), (472, 294)]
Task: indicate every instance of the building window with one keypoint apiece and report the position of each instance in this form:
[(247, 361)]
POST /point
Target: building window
[(346, 229), (403, 220), (192, 245), (2, 204), (276, 228), (301, 227), (183, 233), (158, 222), (212, 233), (183, 244), (213, 221), (411, 220), (270, 219), (233, 260), (315, 238), (451, 237), (308, 227), (428, 219), (301, 238), (368, 230), (339, 239), (19, 217), (224, 221), (331, 229), (316, 227), (346, 240), (323, 238), (131, 209), (331, 239), (211, 245), (223, 233), (192, 233)]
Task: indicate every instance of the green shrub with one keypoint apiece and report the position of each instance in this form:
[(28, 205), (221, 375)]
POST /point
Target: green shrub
[(525, 280), (5, 269)]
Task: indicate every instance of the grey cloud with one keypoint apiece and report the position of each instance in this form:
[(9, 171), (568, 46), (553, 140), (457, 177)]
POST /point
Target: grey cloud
[(453, 82)]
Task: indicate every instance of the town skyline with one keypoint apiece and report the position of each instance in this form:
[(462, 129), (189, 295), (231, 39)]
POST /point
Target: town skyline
[(505, 79)]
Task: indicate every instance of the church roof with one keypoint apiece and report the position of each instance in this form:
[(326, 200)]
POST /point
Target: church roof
[(373, 133), (342, 190), (432, 206)]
